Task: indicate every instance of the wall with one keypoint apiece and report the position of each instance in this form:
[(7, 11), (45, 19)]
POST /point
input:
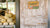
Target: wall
[(22, 23)]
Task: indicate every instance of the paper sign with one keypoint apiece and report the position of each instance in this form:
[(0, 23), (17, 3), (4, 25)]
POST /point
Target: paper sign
[(33, 4)]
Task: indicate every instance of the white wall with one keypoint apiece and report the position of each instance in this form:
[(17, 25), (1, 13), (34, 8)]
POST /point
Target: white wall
[(22, 18)]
